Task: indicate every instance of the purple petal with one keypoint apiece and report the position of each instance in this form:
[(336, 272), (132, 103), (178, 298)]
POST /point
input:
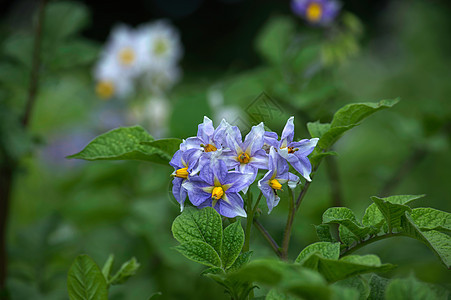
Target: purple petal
[(287, 133), (176, 160), (254, 139), (205, 130), (191, 143), (232, 206), (304, 167), (259, 160), (305, 146), (195, 193), (178, 191), (271, 198), (236, 181)]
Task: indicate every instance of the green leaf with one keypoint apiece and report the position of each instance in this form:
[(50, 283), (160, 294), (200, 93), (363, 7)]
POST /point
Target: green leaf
[(317, 129), (358, 283), (64, 18), (323, 233), (375, 219), (287, 278), (20, 48), (275, 294), (332, 135), (315, 158), (323, 249), (127, 270), (352, 114), (346, 236), (334, 270), (408, 289), (168, 145), (344, 216), (439, 243), (204, 225), (242, 260), (200, 252), (106, 270), (123, 143), (155, 295), (341, 292), (85, 280), (71, 54), (377, 287), (273, 40), (232, 244), (431, 219), (392, 212)]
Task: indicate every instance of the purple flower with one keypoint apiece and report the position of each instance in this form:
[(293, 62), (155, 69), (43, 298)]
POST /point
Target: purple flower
[(207, 143), (276, 176), (217, 187), (316, 12), (247, 156), (183, 163), (296, 152)]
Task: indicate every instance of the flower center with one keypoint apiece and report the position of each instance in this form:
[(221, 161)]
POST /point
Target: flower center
[(182, 173), (216, 194), (243, 158), (105, 89), (274, 184), (160, 47), (209, 148), (314, 12), (127, 56), (291, 150)]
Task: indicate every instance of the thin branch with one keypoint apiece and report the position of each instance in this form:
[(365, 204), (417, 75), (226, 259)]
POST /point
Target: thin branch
[(8, 166), (268, 237), (368, 241), (289, 226), (34, 76)]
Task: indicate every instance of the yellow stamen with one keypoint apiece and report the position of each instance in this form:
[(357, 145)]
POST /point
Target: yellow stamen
[(182, 173), (274, 184), (216, 194), (291, 150), (209, 148), (105, 89), (160, 47), (243, 158), (127, 56), (314, 12)]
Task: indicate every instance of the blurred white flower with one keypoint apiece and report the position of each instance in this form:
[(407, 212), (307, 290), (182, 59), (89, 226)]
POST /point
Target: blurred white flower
[(110, 82), (121, 61), (161, 42), (153, 114), (160, 81), (149, 54)]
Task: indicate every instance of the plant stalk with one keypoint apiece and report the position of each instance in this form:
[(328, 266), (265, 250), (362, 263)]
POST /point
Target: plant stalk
[(369, 241), (289, 226), (268, 238)]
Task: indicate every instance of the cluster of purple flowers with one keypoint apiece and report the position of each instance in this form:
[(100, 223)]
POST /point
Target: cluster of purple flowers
[(213, 167)]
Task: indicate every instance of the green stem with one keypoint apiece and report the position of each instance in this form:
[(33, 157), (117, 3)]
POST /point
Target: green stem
[(250, 218), (289, 226), (369, 241), (268, 237)]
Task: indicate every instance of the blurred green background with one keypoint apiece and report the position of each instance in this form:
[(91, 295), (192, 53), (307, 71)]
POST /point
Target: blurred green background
[(233, 51)]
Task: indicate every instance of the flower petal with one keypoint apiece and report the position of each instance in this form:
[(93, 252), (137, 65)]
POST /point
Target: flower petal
[(233, 206), (254, 139), (288, 131)]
